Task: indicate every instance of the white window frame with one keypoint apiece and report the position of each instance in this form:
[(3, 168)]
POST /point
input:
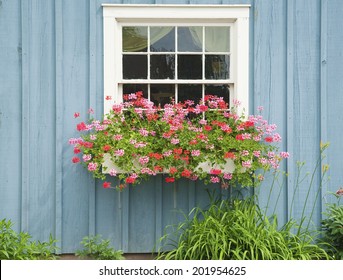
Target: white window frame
[(114, 16)]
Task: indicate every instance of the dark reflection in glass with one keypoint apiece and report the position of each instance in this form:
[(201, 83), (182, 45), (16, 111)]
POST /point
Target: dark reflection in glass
[(189, 67), (189, 92), (162, 94), (135, 66), (162, 66), (189, 39), (217, 67), (219, 90), (133, 88), (162, 38), (135, 38)]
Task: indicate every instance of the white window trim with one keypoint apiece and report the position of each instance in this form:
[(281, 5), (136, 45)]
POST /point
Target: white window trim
[(115, 15)]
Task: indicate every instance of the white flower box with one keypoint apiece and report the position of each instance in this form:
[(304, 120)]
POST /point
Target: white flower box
[(228, 167)]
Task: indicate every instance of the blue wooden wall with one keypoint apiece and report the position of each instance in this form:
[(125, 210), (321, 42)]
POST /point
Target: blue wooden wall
[(51, 65)]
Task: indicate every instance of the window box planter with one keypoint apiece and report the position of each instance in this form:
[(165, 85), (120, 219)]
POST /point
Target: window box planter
[(228, 167), (204, 141)]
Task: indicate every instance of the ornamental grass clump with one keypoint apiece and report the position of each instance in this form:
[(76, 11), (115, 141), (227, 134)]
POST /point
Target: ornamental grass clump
[(238, 230), (206, 141)]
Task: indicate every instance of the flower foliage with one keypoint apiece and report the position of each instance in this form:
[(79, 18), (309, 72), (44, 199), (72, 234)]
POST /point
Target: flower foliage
[(141, 140)]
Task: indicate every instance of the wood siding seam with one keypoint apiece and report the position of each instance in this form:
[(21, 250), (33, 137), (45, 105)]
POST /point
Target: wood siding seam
[(290, 108), (92, 103), (59, 120), (25, 101), (323, 86)]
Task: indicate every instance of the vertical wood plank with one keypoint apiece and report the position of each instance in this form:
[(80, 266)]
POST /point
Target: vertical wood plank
[(334, 84), (77, 182), (269, 91), (10, 111)]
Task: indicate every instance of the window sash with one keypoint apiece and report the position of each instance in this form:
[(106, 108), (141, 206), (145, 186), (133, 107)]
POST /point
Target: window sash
[(118, 15)]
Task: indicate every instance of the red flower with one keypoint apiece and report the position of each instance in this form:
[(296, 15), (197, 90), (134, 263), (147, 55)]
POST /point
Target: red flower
[(106, 148), (269, 139), (81, 126), (75, 160), (185, 158), (201, 136), (193, 142), (170, 180), (249, 124), (76, 115), (108, 97), (158, 168), (139, 94), (186, 173), (239, 137), (172, 170), (215, 171), (130, 180), (88, 145), (229, 155), (208, 127), (222, 104), (178, 151), (156, 156), (76, 150), (228, 130), (106, 185), (203, 108)]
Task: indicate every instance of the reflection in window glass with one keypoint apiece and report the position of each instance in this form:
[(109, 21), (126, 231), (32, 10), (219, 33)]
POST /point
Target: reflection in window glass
[(189, 92), (162, 66), (189, 39), (217, 39), (135, 66), (162, 39), (189, 67), (135, 38), (162, 94), (217, 67)]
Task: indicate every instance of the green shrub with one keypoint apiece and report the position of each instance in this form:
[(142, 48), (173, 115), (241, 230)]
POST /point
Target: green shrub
[(18, 246), (98, 249), (238, 230), (333, 230)]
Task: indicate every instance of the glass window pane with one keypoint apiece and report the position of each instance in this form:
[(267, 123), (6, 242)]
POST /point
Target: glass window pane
[(189, 67), (189, 39), (162, 94), (135, 66), (135, 38), (162, 39), (189, 92), (133, 88), (217, 67), (217, 39), (219, 90), (162, 66)]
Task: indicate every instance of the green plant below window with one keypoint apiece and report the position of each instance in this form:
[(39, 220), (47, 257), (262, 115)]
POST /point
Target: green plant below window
[(94, 247), (333, 228), (238, 230), (18, 246)]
